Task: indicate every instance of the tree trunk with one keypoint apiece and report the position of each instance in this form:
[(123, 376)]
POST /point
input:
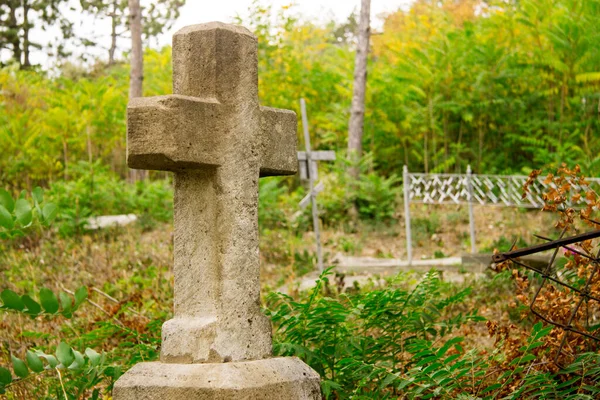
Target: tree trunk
[(137, 61), (136, 78), (26, 27), (113, 34), (357, 112), (13, 27)]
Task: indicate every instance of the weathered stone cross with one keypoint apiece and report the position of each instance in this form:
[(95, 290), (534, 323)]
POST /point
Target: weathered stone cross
[(217, 139)]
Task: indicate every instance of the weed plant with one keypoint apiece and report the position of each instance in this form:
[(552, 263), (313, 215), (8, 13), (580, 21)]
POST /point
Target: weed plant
[(391, 342)]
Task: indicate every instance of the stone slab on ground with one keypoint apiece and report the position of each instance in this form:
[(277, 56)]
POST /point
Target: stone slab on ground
[(377, 265), (362, 270), (108, 221), (269, 379)]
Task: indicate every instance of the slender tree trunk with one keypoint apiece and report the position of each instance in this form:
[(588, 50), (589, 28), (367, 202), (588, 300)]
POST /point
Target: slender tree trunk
[(13, 27), (26, 27), (136, 78), (357, 112), (137, 61), (113, 34)]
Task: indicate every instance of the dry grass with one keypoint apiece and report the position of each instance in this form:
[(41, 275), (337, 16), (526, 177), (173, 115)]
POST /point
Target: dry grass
[(133, 267)]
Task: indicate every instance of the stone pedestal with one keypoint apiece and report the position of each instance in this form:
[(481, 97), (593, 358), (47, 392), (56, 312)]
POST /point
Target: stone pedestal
[(273, 378)]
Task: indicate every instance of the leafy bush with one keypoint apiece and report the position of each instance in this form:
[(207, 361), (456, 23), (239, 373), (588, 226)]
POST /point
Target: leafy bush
[(352, 339), (93, 190), (388, 342), (270, 213), (48, 366), (61, 371), (374, 195)]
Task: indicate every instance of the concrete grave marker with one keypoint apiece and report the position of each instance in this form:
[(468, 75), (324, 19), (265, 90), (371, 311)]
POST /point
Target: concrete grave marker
[(218, 141)]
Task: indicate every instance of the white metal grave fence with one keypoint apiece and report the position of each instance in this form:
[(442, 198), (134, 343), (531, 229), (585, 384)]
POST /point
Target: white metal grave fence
[(472, 189)]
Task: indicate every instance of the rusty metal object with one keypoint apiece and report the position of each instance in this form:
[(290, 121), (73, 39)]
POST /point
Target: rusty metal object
[(548, 274), (553, 244)]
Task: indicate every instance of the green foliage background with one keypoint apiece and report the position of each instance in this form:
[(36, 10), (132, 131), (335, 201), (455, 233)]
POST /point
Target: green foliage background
[(500, 85)]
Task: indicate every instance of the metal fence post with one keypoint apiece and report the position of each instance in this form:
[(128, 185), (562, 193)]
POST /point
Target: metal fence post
[(471, 216), (406, 184)]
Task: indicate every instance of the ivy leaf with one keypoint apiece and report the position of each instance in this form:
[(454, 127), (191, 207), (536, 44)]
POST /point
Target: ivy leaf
[(11, 300), (49, 212), (32, 307), (6, 220), (38, 195), (52, 361), (80, 295), (34, 362), (48, 300), (5, 376), (67, 304), (94, 357), (79, 360), (19, 367), (6, 200), (23, 212), (65, 355)]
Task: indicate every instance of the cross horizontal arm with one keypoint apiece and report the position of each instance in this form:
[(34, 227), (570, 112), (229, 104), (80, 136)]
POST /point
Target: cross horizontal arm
[(173, 132), (279, 141)]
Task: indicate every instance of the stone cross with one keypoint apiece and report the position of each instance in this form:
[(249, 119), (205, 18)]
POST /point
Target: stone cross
[(218, 141)]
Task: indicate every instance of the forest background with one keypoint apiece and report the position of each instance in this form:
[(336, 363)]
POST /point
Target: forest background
[(501, 85)]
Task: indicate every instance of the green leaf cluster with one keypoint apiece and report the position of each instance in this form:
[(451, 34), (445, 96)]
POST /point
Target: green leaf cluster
[(88, 367), (356, 340), (17, 214), (48, 302)]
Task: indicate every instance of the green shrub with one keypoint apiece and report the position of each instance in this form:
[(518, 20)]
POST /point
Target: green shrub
[(270, 212), (346, 338), (93, 190), (374, 195), (390, 343)]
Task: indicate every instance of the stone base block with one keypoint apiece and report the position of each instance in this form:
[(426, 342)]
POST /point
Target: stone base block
[(270, 379)]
